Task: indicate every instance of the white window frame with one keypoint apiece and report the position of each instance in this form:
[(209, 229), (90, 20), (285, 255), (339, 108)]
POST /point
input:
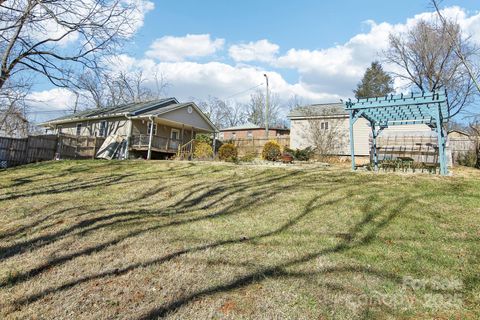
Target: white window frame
[(249, 134), (102, 132), (149, 125), (175, 130), (324, 125), (78, 130)]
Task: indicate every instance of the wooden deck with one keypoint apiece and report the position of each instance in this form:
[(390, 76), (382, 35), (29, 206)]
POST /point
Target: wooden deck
[(159, 144)]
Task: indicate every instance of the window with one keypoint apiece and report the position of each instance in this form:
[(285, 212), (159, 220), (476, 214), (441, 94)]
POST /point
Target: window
[(324, 125), (221, 136), (249, 134), (149, 126), (79, 129), (59, 129), (175, 134), (103, 129), (234, 135)]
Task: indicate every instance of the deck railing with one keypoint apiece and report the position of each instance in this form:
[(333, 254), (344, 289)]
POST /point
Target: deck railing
[(158, 142)]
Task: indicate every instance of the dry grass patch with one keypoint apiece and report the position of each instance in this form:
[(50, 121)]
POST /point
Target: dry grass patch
[(138, 240)]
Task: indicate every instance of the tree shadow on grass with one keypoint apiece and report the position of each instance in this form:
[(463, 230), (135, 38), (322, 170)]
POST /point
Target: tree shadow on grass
[(354, 240), (83, 227)]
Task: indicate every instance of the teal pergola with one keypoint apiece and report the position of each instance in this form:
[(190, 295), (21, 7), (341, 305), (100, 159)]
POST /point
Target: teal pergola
[(382, 112)]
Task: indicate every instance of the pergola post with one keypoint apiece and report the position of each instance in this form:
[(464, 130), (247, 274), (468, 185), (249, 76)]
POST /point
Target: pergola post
[(441, 143), (374, 146), (352, 142)]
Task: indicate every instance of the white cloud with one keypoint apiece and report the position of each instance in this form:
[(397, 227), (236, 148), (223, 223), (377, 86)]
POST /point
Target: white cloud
[(53, 99), (262, 50), (170, 48), (324, 75)]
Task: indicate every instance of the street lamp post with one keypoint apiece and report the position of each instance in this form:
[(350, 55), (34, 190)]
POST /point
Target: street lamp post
[(266, 107)]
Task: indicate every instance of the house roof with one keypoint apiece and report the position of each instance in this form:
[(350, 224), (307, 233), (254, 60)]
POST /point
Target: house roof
[(459, 131), (136, 110), (318, 110), (129, 109), (250, 126)]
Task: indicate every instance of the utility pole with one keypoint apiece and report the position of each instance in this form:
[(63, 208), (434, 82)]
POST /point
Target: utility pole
[(266, 107)]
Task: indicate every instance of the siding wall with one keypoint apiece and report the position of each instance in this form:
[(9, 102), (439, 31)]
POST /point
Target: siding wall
[(300, 131), (92, 127), (193, 119)]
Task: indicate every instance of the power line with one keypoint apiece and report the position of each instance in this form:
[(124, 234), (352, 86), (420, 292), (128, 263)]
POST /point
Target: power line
[(244, 91)]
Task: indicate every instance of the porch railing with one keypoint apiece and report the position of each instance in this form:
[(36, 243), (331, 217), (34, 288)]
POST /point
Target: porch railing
[(158, 142)]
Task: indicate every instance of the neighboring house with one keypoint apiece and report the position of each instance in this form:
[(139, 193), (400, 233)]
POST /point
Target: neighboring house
[(328, 124), (250, 130), (13, 125), (461, 143), (161, 126)]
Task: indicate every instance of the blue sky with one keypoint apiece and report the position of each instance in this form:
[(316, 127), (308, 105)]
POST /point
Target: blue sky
[(316, 50)]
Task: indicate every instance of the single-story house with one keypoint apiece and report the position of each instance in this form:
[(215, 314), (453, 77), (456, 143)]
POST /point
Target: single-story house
[(161, 125), (250, 130), (330, 122)]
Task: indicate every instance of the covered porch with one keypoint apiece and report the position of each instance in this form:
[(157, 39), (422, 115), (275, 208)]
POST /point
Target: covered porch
[(157, 135)]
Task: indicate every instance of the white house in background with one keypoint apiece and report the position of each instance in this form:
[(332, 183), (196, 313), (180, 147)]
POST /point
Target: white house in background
[(332, 116)]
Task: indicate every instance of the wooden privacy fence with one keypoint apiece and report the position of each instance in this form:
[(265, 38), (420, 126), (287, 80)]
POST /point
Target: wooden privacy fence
[(461, 146), (255, 145), (14, 151)]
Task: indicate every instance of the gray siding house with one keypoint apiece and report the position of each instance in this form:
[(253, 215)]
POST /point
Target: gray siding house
[(332, 116), (161, 126)]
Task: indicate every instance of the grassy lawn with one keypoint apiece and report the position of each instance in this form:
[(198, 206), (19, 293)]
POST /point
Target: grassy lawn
[(140, 240)]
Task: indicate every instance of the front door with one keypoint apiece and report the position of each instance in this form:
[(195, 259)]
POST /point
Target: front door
[(174, 138)]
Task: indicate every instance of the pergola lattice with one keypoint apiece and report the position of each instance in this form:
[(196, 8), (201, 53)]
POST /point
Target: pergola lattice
[(382, 112)]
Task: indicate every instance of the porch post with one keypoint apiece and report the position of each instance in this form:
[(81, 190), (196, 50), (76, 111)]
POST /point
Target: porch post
[(129, 139), (374, 146), (149, 154), (352, 142), (214, 142), (441, 143)]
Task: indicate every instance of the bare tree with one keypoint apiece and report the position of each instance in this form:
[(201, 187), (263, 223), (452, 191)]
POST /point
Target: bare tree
[(457, 47), (427, 60), (325, 134), (475, 137), (53, 38), (112, 89), (13, 122), (222, 113), (256, 109)]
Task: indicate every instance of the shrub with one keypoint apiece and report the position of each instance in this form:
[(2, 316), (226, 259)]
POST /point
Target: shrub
[(202, 151), (304, 154), (300, 154), (201, 137), (271, 151), (228, 152), (249, 157), (468, 159)]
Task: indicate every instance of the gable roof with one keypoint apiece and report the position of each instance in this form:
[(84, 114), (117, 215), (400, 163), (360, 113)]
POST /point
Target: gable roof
[(129, 109), (318, 110), (138, 109)]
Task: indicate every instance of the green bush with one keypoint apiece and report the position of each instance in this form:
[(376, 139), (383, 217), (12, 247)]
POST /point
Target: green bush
[(249, 157), (271, 151), (468, 159), (202, 151), (228, 152), (201, 137), (300, 154)]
